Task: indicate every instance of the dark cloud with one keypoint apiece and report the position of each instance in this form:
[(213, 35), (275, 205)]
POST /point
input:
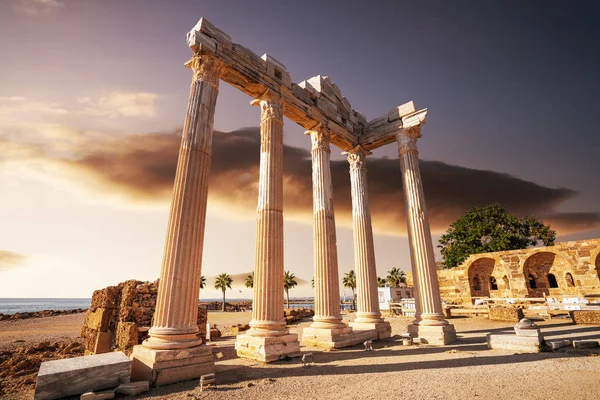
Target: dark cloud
[(10, 259), (143, 167)]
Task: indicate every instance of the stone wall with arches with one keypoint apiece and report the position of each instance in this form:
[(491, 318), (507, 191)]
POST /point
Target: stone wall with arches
[(566, 269)]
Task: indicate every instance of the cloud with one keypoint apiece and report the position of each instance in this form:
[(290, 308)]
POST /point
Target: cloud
[(35, 7), (10, 259), (122, 104), (142, 167)]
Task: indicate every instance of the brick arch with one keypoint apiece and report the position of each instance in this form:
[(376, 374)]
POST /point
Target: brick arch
[(483, 268), (539, 264)]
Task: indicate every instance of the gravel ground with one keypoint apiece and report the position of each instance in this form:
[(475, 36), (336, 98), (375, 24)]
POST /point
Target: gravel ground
[(464, 370)]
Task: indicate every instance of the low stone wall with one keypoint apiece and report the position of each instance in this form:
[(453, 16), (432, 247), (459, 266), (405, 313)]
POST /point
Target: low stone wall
[(120, 317), (586, 317), (509, 314)]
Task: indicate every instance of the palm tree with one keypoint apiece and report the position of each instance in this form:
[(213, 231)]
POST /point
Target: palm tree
[(312, 282), (396, 277), (249, 282), (381, 282), (289, 281), (202, 282), (349, 281), (223, 282)]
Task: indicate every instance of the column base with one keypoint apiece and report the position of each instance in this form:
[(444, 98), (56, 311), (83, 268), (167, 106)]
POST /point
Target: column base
[(267, 349), (328, 339), (433, 334), (383, 328), (161, 367)]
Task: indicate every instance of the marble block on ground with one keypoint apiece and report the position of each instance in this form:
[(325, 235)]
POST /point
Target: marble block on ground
[(73, 376), (383, 329), (557, 344), (585, 344), (526, 344), (528, 332), (433, 334), (161, 367), (336, 338), (267, 349)]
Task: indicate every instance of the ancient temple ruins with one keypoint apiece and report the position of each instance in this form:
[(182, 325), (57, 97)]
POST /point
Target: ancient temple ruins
[(173, 351)]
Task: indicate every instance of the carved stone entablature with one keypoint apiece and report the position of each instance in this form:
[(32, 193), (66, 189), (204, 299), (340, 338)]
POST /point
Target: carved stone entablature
[(206, 68)]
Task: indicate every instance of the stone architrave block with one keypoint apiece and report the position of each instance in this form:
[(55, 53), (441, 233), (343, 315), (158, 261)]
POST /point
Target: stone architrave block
[(73, 376), (586, 317), (509, 314)]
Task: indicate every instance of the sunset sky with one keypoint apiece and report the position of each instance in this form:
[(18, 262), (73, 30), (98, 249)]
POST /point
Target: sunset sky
[(93, 94)]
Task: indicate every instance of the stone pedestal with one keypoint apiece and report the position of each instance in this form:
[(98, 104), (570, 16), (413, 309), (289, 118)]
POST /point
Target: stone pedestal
[(430, 325), (268, 337), (368, 315), (336, 338), (267, 349), (161, 367)]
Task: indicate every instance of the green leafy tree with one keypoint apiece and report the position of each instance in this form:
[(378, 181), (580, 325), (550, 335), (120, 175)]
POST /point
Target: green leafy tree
[(381, 282), (349, 281), (223, 282), (202, 282), (289, 282), (488, 229), (249, 281), (396, 277)]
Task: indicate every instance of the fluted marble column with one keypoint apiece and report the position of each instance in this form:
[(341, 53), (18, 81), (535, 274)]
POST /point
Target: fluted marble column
[(175, 317), (327, 286), (432, 326), (267, 306), (364, 250)]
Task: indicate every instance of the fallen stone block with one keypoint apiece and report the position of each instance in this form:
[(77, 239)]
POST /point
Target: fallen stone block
[(109, 394), (585, 344), (557, 344), (526, 344), (133, 388), (586, 317), (73, 376), (510, 314)]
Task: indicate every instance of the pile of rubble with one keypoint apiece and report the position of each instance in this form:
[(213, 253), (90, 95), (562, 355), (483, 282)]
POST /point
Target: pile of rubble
[(293, 315), (120, 317), (18, 368), (39, 314)]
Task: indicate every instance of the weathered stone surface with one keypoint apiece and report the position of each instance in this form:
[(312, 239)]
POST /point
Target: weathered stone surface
[(72, 376), (127, 335), (557, 344), (133, 388), (509, 314), (267, 349), (161, 367), (513, 342), (586, 317)]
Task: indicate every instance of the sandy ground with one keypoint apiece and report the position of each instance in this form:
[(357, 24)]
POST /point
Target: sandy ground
[(464, 370)]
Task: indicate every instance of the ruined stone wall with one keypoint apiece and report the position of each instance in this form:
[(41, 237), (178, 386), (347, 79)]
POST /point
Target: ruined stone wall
[(566, 269), (120, 317)]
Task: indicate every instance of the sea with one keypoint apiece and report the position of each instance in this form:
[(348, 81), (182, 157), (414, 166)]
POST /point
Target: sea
[(12, 306)]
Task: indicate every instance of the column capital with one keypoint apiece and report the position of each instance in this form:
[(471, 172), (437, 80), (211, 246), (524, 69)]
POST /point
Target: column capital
[(357, 157), (271, 106), (206, 67), (321, 137), (406, 144)]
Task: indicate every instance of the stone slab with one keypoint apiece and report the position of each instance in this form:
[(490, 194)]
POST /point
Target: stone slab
[(73, 376), (528, 332), (435, 335), (509, 314), (585, 317), (133, 388), (585, 344), (267, 349), (161, 367), (383, 329), (557, 344), (526, 344)]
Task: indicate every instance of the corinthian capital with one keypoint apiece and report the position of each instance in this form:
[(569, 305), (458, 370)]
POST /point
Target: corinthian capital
[(406, 143), (271, 106), (206, 68), (320, 137), (357, 158)]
